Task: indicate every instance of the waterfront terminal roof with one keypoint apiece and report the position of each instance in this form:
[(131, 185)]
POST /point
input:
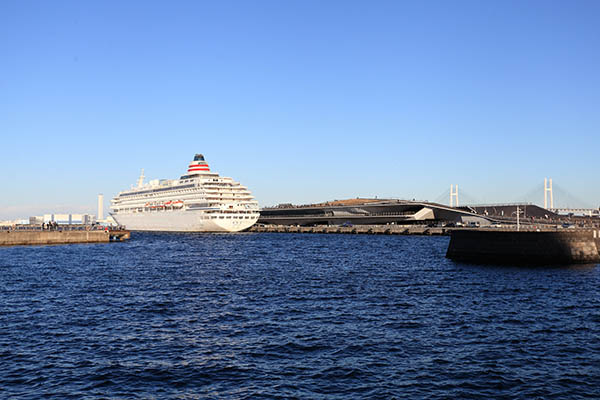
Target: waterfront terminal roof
[(362, 211), (510, 209)]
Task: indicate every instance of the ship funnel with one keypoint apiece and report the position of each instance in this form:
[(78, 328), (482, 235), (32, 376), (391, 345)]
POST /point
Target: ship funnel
[(198, 166)]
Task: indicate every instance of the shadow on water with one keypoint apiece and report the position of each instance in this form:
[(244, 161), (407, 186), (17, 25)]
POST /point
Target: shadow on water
[(525, 266)]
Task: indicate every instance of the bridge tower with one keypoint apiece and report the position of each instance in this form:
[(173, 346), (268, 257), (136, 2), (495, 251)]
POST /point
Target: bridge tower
[(454, 195), (548, 193)]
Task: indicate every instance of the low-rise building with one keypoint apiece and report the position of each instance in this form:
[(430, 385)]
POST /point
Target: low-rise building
[(64, 219)]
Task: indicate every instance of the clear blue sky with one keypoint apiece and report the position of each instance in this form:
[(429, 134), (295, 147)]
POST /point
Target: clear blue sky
[(301, 101)]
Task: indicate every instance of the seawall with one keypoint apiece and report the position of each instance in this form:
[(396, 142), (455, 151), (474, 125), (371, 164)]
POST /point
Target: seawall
[(16, 237), (356, 229), (511, 247)]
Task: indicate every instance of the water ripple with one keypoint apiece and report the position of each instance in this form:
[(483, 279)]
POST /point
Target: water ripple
[(188, 316)]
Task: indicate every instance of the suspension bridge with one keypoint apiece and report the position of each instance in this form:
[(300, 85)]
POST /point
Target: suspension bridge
[(555, 199)]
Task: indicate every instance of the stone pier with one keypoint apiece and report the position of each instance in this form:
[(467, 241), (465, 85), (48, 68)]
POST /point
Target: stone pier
[(32, 237), (511, 247), (356, 229)]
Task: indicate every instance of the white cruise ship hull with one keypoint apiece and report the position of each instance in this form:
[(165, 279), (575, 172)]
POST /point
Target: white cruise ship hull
[(184, 221), (200, 201)]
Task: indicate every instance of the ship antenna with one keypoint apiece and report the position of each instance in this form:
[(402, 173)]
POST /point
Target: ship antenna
[(141, 179)]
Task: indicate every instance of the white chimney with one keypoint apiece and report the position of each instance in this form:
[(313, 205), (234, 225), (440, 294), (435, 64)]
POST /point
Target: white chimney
[(100, 207)]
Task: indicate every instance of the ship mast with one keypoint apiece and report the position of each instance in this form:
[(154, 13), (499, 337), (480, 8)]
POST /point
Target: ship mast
[(140, 182)]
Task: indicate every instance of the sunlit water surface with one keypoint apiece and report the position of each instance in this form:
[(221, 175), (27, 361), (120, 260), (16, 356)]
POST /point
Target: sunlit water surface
[(291, 316)]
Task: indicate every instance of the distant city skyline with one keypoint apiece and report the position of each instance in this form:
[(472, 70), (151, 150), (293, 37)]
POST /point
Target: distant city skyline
[(301, 102)]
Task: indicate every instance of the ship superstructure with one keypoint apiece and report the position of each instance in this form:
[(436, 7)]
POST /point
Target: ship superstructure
[(200, 201)]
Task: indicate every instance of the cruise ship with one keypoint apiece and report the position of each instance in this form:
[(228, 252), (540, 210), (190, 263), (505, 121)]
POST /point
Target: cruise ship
[(200, 201)]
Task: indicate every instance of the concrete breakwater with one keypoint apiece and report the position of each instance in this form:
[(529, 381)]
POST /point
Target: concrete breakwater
[(356, 229), (383, 229), (511, 247), (530, 245), (27, 237)]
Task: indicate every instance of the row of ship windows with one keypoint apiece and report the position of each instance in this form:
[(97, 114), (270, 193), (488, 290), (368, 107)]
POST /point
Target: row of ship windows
[(209, 204), (229, 212), (211, 183), (212, 180), (135, 209), (183, 191), (150, 193), (147, 194), (227, 217)]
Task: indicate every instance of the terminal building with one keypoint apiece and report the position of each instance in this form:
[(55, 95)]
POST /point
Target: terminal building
[(370, 211), (404, 212), (525, 210)]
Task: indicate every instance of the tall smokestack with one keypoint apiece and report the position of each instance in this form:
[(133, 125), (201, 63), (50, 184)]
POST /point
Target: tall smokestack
[(100, 207)]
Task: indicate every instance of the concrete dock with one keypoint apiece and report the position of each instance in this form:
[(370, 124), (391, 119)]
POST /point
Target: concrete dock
[(511, 247), (393, 229), (356, 229), (39, 237), (507, 245)]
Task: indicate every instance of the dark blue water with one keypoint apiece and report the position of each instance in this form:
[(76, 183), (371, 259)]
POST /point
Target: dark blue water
[(291, 316)]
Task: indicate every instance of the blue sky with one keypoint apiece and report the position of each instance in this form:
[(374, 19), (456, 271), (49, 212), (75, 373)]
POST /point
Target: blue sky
[(301, 101)]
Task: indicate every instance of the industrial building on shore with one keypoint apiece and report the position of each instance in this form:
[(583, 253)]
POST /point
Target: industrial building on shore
[(65, 218)]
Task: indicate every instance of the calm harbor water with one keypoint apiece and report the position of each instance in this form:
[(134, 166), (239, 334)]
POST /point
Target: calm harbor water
[(291, 316)]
